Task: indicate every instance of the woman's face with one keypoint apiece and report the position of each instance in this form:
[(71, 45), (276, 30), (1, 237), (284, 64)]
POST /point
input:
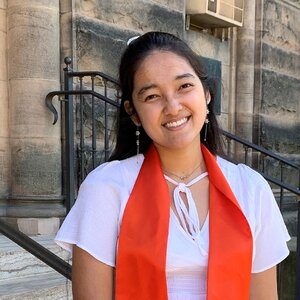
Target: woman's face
[(169, 100)]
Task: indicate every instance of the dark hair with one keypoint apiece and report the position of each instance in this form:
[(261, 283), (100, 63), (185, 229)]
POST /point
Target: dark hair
[(131, 59)]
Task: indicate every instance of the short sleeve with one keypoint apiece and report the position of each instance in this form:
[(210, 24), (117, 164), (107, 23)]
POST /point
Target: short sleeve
[(92, 223), (270, 232)]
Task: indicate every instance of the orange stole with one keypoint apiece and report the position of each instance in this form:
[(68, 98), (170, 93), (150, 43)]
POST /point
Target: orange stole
[(141, 259)]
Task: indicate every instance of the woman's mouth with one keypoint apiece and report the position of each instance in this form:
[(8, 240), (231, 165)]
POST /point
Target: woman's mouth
[(175, 124)]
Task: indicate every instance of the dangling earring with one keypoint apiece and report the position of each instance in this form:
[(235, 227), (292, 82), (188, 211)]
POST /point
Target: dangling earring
[(137, 134), (206, 124)]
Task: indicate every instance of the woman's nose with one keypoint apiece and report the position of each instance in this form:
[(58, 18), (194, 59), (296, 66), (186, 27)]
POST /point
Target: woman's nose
[(172, 105)]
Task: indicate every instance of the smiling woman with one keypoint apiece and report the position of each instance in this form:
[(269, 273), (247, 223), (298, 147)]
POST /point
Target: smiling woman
[(135, 56), (175, 221), (170, 104)]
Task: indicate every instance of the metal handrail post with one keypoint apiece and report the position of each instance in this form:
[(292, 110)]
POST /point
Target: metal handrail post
[(69, 132)]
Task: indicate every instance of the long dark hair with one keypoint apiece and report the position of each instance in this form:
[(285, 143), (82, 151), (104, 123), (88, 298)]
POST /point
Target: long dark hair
[(131, 59)]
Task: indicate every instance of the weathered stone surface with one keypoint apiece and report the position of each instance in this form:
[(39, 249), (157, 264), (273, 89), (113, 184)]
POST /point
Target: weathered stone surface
[(42, 287), (65, 6), (280, 135), (23, 276), (244, 103), (281, 61), (248, 18), (244, 128), (280, 82), (2, 19), (280, 95), (281, 25), (206, 45), (34, 226), (4, 130), (135, 15), (16, 263), (3, 57), (46, 4), (173, 4), (34, 206), (223, 121), (29, 116), (33, 61), (246, 46), (3, 109), (33, 41), (4, 167), (244, 93), (36, 167), (99, 45), (3, 4), (225, 89), (66, 33)]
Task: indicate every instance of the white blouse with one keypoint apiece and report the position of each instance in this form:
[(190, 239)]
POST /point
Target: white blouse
[(93, 224)]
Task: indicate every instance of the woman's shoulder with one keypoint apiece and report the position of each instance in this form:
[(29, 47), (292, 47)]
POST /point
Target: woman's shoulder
[(115, 172), (241, 174), (250, 188), (108, 186)]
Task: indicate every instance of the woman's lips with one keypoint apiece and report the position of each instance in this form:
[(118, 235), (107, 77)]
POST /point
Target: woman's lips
[(177, 123)]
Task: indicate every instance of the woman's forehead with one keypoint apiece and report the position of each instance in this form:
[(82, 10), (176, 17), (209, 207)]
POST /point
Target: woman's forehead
[(163, 61)]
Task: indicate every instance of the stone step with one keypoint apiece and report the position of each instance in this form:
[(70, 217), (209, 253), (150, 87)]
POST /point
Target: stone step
[(15, 262), (47, 286)]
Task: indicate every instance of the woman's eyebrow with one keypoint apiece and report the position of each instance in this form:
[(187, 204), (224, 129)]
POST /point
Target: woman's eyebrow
[(145, 88), (185, 75)]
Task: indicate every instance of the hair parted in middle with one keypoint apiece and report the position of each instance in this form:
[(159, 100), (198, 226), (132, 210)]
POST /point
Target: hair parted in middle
[(133, 56)]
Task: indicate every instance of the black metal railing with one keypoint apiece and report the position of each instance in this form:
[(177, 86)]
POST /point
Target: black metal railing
[(94, 91), (257, 157), (42, 253)]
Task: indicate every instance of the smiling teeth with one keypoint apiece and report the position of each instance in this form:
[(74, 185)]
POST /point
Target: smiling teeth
[(176, 124)]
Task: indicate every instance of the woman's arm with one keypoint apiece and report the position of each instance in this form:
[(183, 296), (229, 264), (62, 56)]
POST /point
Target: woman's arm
[(91, 279), (264, 285)]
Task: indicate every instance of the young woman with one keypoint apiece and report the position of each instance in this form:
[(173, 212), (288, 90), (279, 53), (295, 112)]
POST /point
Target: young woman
[(171, 217)]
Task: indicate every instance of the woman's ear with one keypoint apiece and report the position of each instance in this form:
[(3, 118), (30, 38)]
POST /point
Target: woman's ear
[(131, 112), (207, 97)]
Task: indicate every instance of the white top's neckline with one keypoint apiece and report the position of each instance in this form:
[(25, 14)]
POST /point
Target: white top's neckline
[(188, 215)]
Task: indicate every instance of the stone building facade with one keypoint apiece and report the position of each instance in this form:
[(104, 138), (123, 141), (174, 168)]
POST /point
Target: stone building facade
[(260, 75)]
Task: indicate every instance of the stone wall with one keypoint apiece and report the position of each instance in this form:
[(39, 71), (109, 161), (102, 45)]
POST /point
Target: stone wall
[(4, 106), (33, 70), (103, 27), (280, 78)]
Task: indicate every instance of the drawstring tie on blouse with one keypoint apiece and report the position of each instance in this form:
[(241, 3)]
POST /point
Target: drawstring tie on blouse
[(188, 216)]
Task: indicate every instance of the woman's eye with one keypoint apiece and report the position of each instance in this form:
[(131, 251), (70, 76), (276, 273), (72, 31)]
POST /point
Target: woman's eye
[(151, 97), (185, 86)]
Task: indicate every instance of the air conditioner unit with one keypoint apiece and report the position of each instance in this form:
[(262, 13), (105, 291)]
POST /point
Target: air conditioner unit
[(215, 13)]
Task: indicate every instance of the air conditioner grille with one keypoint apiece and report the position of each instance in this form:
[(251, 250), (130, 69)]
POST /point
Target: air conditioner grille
[(238, 15), (226, 10), (212, 6), (215, 13), (239, 4)]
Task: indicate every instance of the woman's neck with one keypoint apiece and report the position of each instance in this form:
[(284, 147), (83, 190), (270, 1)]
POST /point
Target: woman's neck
[(183, 161)]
